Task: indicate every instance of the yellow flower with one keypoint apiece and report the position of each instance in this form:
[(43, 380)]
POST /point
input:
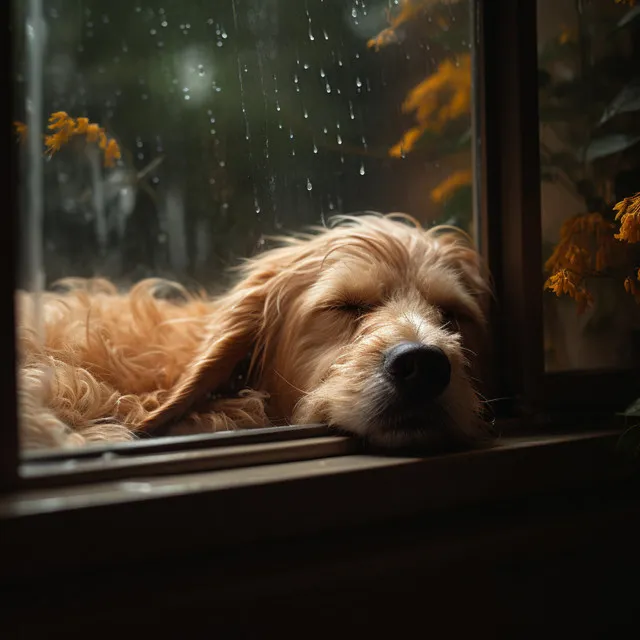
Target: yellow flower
[(565, 282), (437, 100), (82, 124), (582, 237), (628, 213), (111, 153), (407, 10), (446, 188), (21, 130), (63, 127)]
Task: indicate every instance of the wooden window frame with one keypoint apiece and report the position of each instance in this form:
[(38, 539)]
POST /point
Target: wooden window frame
[(267, 468)]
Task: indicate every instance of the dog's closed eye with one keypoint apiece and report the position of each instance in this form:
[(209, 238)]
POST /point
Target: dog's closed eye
[(454, 319), (355, 308)]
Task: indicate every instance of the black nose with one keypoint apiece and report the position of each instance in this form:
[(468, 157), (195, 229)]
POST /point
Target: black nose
[(418, 369)]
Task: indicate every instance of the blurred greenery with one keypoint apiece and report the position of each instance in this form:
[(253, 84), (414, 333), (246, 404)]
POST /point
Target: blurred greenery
[(255, 116), (589, 99)]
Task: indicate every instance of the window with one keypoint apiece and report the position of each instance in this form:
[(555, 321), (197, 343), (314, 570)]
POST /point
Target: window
[(589, 163), (193, 131), (179, 136), (589, 153)]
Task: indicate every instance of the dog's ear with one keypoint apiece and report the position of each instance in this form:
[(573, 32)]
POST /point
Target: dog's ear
[(231, 332), (243, 322)]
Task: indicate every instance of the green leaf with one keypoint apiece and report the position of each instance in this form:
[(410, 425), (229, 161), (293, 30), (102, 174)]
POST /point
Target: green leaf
[(629, 17), (627, 100), (607, 146), (633, 409)]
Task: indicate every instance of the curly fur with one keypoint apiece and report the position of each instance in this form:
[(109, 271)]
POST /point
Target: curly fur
[(106, 365)]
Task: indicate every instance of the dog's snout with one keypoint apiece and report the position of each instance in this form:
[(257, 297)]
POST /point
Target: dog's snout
[(418, 369)]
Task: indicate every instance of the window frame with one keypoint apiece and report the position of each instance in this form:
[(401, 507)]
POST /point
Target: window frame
[(506, 155)]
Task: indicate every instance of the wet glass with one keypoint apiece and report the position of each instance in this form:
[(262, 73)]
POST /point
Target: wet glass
[(590, 162), (171, 139), (242, 118)]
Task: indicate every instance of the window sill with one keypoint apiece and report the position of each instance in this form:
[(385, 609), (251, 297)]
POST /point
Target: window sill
[(219, 509)]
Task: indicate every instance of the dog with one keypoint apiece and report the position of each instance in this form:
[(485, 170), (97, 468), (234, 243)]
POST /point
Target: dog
[(372, 325)]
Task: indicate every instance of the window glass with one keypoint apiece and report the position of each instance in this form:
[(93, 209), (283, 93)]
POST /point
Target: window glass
[(171, 138), (590, 155)]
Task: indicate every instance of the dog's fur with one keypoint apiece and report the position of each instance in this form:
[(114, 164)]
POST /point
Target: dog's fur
[(315, 315)]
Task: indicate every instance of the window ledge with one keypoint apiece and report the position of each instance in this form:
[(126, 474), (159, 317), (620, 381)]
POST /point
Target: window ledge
[(216, 509)]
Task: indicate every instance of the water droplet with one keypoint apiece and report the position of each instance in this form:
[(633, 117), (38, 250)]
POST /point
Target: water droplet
[(187, 97), (309, 185), (328, 88), (362, 171), (200, 70), (322, 73), (305, 114), (339, 139), (152, 32), (325, 34), (358, 82), (315, 148), (305, 65), (164, 23)]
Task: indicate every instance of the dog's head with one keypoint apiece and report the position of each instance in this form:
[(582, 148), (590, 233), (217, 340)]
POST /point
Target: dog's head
[(371, 325)]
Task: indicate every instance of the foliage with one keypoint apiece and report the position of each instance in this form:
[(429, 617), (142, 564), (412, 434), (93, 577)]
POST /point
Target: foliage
[(441, 102), (64, 128), (234, 120), (589, 99)]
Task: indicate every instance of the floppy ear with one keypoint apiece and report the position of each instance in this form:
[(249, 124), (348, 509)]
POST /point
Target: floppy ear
[(231, 332), (244, 321)]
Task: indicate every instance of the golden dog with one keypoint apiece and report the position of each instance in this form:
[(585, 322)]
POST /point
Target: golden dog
[(372, 326)]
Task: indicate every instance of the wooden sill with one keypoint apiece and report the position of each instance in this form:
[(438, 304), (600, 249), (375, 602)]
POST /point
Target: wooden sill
[(228, 507)]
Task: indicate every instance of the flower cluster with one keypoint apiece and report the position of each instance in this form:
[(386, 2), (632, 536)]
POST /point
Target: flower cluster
[(436, 101), (589, 246), (628, 213), (63, 128)]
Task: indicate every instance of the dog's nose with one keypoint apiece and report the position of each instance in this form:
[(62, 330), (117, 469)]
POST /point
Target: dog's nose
[(418, 369)]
